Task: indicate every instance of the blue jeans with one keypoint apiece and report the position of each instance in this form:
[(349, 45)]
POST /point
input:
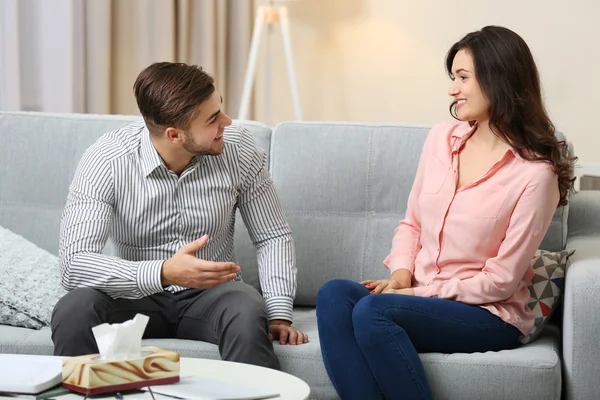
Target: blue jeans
[(370, 342)]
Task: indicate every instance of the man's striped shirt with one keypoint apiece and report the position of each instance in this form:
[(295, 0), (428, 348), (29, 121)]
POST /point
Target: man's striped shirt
[(122, 190)]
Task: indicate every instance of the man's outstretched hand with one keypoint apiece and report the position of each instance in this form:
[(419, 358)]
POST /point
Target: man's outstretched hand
[(282, 330), (185, 269)]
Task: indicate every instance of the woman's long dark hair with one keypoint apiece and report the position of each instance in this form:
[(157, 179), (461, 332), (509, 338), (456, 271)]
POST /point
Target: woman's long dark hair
[(509, 79)]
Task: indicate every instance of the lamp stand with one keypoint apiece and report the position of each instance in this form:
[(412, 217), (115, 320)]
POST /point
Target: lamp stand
[(269, 16)]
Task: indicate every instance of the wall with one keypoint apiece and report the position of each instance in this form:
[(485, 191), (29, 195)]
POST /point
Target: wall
[(383, 60)]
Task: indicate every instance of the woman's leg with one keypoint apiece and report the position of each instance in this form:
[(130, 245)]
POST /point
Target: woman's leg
[(391, 329), (344, 362)]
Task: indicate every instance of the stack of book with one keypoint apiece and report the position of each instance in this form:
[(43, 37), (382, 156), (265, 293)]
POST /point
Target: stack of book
[(28, 376)]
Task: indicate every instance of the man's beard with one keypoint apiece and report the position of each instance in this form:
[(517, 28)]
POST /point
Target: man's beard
[(192, 147)]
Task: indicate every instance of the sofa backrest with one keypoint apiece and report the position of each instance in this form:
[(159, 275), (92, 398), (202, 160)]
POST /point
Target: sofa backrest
[(344, 188), (39, 153)]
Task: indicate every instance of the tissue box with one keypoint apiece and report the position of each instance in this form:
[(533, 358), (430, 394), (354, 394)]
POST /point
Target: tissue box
[(89, 375)]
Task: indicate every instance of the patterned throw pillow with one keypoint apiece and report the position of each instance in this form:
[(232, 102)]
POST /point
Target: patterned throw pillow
[(30, 284), (546, 287)]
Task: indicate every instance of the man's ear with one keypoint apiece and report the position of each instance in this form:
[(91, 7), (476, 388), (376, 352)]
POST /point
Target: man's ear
[(173, 134)]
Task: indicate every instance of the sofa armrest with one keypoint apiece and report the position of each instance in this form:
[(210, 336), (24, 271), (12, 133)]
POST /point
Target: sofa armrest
[(584, 214), (581, 319)]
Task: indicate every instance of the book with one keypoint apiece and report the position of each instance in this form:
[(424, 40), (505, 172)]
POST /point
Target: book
[(48, 394), (29, 374)]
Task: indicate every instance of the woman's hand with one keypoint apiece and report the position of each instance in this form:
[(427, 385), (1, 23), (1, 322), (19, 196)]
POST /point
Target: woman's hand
[(400, 279), (381, 285)]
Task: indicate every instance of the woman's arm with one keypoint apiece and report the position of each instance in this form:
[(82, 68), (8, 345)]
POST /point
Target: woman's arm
[(406, 241)]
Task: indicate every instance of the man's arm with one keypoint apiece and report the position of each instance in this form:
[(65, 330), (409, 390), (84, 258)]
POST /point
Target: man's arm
[(85, 226), (270, 233)]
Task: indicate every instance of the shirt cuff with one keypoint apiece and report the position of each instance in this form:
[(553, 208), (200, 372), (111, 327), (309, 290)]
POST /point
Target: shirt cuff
[(280, 307), (394, 263), (148, 277), (426, 291)]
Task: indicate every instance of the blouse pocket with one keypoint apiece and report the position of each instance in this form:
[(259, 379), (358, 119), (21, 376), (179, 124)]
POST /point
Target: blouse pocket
[(436, 173), (493, 197)]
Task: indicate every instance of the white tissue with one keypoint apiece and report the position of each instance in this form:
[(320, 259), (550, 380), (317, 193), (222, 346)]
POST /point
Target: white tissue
[(121, 341)]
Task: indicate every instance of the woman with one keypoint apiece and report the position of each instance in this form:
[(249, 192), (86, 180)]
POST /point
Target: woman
[(485, 192)]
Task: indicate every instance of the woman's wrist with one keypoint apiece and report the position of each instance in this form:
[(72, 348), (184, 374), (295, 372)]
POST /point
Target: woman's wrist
[(403, 276)]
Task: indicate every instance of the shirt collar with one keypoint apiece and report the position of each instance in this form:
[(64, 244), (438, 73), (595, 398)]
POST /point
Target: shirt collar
[(464, 131), (149, 156), (151, 159)]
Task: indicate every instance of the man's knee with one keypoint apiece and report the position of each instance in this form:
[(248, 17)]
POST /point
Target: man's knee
[(72, 319), (246, 299), (243, 326), (246, 308), (242, 289), (77, 305)]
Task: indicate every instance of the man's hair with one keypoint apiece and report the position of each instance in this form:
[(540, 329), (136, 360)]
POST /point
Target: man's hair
[(169, 94)]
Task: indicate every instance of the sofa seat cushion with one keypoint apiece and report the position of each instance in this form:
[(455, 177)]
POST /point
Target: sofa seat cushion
[(492, 375), (532, 371), (16, 340)]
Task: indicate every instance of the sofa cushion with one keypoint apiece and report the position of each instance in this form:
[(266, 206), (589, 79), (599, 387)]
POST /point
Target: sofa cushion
[(345, 196), (546, 287), (343, 188), (38, 168), (15, 340), (534, 367), (30, 285)]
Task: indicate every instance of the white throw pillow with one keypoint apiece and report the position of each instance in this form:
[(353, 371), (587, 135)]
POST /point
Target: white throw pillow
[(30, 284)]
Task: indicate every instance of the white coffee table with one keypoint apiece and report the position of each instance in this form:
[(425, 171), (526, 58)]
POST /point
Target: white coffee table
[(289, 386)]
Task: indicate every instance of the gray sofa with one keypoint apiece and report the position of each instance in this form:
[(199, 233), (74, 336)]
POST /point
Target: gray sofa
[(344, 188)]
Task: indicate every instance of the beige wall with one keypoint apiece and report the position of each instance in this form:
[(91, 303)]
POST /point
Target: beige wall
[(383, 60)]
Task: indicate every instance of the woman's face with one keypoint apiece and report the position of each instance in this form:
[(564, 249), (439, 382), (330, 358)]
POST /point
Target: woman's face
[(471, 103)]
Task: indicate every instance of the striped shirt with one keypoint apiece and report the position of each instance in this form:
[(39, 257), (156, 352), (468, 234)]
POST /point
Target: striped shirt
[(122, 190)]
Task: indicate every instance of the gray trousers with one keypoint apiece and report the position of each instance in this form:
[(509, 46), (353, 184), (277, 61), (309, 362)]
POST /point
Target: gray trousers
[(232, 315)]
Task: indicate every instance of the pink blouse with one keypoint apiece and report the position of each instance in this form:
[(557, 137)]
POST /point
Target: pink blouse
[(475, 244)]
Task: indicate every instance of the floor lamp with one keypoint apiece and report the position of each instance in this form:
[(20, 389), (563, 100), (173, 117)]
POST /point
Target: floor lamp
[(267, 16)]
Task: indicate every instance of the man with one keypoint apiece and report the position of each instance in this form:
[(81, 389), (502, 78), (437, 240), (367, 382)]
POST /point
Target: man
[(165, 191)]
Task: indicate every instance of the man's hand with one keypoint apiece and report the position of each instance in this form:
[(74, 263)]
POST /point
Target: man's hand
[(282, 330), (406, 292), (186, 270)]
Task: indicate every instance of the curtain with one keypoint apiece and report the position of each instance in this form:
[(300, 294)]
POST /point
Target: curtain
[(84, 55)]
